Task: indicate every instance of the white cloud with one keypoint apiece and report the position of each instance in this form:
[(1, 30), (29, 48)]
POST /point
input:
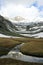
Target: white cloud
[(41, 13), (22, 2), (12, 10), (40, 2)]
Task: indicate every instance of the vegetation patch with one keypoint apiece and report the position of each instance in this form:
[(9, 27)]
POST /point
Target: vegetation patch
[(10, 61), (33, 48), (6, 44)]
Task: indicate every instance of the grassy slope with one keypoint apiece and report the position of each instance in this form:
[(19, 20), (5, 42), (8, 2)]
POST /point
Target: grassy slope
[(7, 44), (29, 43), (16, 62), (33, 47), (4, 24)]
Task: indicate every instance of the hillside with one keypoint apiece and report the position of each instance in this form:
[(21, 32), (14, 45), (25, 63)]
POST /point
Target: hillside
[(6, 27)]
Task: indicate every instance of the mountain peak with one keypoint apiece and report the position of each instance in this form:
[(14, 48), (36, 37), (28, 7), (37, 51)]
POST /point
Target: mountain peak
[(19, 18)]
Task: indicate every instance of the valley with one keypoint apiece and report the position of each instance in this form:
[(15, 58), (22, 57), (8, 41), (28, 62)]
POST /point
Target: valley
[(21, 42)]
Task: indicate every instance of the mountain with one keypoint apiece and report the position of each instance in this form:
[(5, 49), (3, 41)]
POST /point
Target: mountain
[(35, 26), (30, 29), (6, 27), (19, 18)]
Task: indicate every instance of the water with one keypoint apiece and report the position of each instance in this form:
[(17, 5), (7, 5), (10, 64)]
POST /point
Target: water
[(16, 54)]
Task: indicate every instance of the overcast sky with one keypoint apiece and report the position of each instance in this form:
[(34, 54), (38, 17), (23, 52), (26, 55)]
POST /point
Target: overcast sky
[(26, 8)]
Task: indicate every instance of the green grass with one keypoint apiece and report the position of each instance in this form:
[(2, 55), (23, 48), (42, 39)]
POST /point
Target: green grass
[(34, 47), (9, 33), (31, 46), (7, 44), (16, 62)]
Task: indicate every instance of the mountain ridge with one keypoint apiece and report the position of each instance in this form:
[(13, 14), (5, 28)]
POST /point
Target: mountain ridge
[(31, 29), (6, 27)]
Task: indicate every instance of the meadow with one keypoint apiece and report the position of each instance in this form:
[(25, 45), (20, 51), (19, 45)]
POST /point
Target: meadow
[(31, 46), (9, 61)]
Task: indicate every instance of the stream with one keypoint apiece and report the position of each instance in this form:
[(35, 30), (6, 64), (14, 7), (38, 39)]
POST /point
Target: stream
[(16, 54)]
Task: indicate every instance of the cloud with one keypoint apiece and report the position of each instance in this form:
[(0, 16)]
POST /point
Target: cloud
[(39, 5), (22, 2), (41, 13), (40, 2), (12, 10)]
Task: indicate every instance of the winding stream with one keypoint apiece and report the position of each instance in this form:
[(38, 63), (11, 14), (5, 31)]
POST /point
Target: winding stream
[(16, 54)]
